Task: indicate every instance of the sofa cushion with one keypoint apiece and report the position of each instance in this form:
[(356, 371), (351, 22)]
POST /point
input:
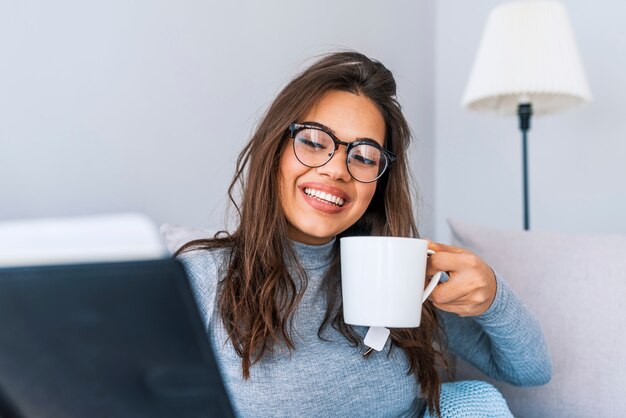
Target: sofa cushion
[(576, 285), (175, 236)]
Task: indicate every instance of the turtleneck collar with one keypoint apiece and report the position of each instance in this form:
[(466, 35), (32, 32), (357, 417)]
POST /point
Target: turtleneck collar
[(314, 256)]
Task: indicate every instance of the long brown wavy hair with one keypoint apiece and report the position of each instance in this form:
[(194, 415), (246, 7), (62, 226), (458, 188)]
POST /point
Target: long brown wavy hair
[(258, 296)]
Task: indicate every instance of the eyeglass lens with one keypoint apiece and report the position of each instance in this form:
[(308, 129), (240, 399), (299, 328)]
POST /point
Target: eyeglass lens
[(314, 148)]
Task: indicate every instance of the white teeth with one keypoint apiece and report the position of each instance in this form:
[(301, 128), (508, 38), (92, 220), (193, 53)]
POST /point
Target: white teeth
[(324, 197)]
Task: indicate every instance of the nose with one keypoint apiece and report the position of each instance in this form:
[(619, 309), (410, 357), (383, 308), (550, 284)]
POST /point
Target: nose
[(336, 168)]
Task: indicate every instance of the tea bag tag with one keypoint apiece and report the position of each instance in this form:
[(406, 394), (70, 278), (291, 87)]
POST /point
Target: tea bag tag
[(376, 337)]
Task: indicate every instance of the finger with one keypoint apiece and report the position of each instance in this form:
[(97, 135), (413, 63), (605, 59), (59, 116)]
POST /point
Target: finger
[(449, 294), (442, 279), (449, 262), (437, 246)]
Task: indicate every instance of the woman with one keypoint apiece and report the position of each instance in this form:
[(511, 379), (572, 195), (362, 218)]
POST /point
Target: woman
[(270, 291)]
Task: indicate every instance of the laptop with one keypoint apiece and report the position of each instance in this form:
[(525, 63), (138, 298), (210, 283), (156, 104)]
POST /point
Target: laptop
[(105, 339)]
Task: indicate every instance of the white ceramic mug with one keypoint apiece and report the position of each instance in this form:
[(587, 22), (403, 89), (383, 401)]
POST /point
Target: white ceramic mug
[(382, 280)]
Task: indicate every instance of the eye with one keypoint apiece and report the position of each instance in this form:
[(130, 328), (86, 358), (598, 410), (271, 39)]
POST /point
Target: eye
[(313, 140), (362, 160), (310, 143), (365, 155)]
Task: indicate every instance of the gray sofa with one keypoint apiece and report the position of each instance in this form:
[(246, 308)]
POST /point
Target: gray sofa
[(576, 285)]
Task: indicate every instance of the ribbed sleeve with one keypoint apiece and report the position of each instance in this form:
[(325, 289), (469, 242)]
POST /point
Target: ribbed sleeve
[(506, 342)]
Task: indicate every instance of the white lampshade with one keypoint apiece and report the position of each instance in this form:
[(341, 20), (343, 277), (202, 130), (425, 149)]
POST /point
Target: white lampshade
[(527, 54)]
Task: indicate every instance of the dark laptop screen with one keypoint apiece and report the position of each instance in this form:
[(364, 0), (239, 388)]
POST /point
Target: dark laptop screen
[(105, 340)]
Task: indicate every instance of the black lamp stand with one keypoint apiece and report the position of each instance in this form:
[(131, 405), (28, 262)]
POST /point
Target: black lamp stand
[(525, 111)]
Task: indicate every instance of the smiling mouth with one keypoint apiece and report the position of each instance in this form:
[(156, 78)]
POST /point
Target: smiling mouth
[(324, 197)]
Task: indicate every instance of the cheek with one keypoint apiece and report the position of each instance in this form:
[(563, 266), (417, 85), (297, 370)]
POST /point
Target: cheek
[(287, 163), (289, 169), (365, 193)]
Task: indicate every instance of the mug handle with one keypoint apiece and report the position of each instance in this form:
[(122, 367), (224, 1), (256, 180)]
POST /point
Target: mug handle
[(433, 281)]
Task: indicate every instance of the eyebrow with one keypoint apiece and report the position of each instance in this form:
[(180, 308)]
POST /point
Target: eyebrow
[(326, 128)]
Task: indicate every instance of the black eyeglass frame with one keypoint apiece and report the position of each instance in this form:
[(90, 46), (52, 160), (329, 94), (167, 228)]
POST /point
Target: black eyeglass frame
[(294, 128)]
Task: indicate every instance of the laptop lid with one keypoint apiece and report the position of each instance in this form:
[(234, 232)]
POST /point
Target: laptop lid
[(80, 239), (121, 339)]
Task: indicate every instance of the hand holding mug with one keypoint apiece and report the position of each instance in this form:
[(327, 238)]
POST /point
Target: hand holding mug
[(471, 288)]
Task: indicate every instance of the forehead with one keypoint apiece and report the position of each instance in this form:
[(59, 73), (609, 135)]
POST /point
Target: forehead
[(349, 116)]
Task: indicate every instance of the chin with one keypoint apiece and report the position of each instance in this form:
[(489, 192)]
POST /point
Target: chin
[(314, 236)]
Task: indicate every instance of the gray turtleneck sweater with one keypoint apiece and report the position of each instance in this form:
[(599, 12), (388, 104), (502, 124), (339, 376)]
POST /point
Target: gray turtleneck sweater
[(331, 378)]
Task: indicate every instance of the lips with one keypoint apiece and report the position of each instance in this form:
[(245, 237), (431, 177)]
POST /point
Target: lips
[(324, 197)]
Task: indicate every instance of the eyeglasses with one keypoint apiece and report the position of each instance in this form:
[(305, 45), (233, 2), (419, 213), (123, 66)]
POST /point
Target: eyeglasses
[(314, 145)]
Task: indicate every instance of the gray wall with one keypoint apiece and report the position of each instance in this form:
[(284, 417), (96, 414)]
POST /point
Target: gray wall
[(577, 160), (143, 106)]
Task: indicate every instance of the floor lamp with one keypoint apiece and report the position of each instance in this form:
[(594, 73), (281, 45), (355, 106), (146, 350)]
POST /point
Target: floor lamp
[(527, 64)]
